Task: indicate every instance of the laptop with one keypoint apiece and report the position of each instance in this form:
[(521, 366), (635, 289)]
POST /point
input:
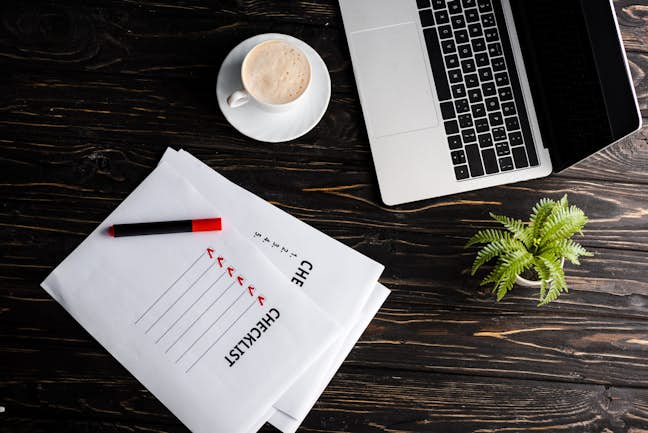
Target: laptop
[(459, 95)]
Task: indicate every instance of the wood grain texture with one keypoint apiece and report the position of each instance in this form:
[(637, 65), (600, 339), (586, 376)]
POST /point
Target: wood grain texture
[(92, 93)]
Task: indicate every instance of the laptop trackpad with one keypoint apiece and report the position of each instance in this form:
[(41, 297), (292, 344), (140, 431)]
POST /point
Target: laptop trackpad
[(393, 80)]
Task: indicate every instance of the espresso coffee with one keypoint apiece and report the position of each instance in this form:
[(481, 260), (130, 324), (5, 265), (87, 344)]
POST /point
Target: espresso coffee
[(275, 72)]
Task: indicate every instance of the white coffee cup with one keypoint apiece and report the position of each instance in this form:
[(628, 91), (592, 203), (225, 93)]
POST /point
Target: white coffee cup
[(275, 75)]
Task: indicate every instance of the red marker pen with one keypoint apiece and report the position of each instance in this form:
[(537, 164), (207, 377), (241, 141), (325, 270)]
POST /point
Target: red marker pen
[(164, 227)]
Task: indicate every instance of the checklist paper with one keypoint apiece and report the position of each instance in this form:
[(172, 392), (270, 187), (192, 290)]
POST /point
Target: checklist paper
[(339, 279), (228, 329), (203, 320)]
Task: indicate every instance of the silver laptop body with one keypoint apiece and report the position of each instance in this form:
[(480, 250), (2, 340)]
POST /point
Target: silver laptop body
[(420, 145)]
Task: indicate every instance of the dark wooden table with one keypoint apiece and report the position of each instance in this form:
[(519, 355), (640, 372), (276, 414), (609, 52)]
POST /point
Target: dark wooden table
[(91, 93)]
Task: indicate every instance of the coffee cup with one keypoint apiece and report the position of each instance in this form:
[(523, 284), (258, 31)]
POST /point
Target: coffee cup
[(275, 75)]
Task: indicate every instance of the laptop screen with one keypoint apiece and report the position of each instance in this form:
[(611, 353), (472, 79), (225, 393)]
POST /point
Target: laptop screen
[(579, 82)]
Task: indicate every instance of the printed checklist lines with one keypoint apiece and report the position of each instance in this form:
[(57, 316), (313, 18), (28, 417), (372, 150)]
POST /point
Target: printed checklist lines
[(191, 316)]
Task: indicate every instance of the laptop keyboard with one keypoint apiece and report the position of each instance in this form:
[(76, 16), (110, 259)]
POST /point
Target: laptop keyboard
[(476, 81)]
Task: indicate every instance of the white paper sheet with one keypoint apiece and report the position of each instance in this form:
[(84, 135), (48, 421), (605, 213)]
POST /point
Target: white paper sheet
[(340, 281), (288, 423), (175, 315)]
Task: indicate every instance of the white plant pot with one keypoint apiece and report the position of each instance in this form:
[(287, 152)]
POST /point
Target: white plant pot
[(534, 284)]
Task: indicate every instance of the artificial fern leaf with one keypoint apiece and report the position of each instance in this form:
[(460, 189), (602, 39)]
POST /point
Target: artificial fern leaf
[(558, 283), (566, 248), (563, 224), (489, 235), (539, 215), (495, 275), (543, 274), (515, 226), (563, 202), (495, 249), (515, 263)]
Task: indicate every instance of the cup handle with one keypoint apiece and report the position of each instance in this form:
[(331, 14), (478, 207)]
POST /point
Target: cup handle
[(238, 98)]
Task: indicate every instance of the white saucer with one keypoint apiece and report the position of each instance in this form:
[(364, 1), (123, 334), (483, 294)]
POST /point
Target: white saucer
[(253, 121)]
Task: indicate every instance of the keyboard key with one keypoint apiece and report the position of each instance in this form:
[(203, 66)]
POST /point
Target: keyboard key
[(490, 161), (519, 156), (506, 164), (455, 76), (489, 89), (427, 19), (495, 49), (454, 142), (485, 74), (491, 34), (465, 121), (451, 127), (447, 110), (502, 79), (474, 95), (454, 6), (461, 172), (505, 93), (478, 45), (492, 104), (472, 80), (472, 16), (478, 110), (421, 4), (461, 36), (482, 59), (512, 124), (502, 148), (458, 22), (468, 66), (436, 62), (515, 138), (445, 31), (448, 46), (464, 51), (462, 106), (508, 108), (474, 160), (488, 20), (475, 30), (458, 91), (469, 3), (468, 135), (498, 64), (485, 5), (481, 125), (499, 133), (458, 157), (452, 61), (438, 4), (485, 140), (442, 17), (495, 118)]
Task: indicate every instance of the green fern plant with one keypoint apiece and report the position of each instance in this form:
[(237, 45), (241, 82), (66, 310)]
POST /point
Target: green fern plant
[(539, 245)]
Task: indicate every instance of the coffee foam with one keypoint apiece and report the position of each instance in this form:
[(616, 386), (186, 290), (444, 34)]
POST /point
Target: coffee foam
[(276, 72)]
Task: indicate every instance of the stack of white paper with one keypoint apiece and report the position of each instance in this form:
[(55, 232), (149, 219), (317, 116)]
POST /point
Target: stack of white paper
[(228, 329)]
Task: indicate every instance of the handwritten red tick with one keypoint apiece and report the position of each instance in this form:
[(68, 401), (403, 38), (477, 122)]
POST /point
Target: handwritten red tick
[(251, 290), (220, 261), (240, 280), (230, 270), (261, 299), (209, 252)]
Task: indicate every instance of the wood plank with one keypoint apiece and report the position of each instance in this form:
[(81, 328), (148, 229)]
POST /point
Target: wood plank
[(81, 183), (359, 401), (99, 109), (596, 334)]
